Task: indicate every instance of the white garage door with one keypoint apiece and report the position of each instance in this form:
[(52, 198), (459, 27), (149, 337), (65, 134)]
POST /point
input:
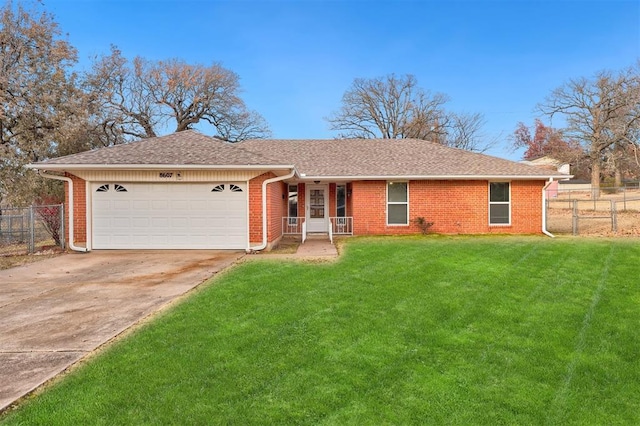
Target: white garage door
[(169, 215)]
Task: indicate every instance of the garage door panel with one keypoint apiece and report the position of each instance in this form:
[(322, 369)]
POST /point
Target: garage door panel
[(140, 222), (180, 224), (200, 224), (141, 205), (199, 205), (166, 216), (179, 205), (121, 222), (159, 204)]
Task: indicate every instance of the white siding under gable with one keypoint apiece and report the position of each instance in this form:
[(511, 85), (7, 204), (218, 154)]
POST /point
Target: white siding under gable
[(167, 175)]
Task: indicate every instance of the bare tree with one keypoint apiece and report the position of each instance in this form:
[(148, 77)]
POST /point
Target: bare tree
[(40, 103), (388, 107), (464, 131), (392, 107), (601, 113), (135, 100)]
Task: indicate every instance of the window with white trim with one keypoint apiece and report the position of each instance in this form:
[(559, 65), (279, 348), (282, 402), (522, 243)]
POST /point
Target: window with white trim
[(293, 200), (397, 203), (341, 200), (499, 203)]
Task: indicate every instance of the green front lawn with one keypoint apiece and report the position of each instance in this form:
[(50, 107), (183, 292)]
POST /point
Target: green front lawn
[(485, 330)]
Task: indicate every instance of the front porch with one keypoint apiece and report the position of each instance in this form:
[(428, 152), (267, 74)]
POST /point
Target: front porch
[(333, 226), (317, 208)]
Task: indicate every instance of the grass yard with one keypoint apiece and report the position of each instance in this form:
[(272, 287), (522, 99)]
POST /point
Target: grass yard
[(435, 330)]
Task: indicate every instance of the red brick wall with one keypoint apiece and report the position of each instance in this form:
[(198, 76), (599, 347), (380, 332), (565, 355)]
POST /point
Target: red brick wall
[(332, 200), (79, 209), (301, 200), (455, 207), (285, 199), (275, 209)]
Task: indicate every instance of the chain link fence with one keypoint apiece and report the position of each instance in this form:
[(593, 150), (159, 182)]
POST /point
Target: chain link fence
[(616, 211), (31, 229)]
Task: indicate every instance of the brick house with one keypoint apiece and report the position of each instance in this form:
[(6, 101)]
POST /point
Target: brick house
[(191, 191)]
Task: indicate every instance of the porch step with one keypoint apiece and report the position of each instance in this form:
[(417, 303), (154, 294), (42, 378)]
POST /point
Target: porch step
[(317, 247), (317, 236)]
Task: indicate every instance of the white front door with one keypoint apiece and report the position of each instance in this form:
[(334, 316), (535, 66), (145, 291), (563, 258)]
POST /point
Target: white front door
[(317, 208)]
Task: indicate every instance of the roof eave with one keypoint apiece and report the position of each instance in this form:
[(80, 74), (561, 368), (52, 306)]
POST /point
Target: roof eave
[(71, 167), (437, 177)]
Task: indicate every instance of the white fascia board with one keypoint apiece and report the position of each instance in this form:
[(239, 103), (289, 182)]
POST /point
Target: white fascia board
[(71, 167), (435, 177)]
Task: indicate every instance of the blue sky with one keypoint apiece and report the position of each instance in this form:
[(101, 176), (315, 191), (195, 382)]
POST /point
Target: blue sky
[(296, 58)]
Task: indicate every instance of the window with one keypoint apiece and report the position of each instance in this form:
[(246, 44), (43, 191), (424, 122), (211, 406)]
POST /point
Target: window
[(218, 188), (341, 200), (103, 188), (235, 188), (397, 203), (119, 188), (499, 203), (293, 200)]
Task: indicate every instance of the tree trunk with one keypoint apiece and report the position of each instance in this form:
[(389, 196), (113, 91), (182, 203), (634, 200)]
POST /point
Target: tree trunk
[(595, 178), (617, 178)]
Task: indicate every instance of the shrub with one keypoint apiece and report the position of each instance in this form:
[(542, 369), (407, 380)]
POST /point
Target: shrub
[(422, 223)]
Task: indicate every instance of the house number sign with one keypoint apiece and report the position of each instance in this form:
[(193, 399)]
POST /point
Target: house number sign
[(170, 175)]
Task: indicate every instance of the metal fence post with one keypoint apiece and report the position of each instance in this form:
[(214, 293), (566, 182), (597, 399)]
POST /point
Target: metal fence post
[(63, 237), (32, 231), (614, 217), (575, 217)]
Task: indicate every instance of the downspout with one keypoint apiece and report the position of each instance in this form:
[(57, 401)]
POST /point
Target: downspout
[(544, 209), (264, 208), (72, 246)]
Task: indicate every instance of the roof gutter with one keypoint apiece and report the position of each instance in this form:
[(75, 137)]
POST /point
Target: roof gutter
[(72, 246), (544, 209), (263, 245), (304, 177)]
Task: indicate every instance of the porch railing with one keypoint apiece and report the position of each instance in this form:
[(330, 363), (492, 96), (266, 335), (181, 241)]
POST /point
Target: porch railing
[(342, 225), (339, 225), (330, 234), (292, 225), (304, 232)]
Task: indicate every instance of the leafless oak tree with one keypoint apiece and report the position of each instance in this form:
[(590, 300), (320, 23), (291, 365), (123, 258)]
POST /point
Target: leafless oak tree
[(464, 131), (137, 99), (602, 113), (388, 107), (393, 107)]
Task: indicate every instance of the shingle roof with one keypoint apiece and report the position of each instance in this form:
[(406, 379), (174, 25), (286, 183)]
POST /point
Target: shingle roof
[(311, 158), (387, 157), (183, 148)]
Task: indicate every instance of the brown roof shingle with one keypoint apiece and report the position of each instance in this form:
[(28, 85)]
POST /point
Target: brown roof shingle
[(387, 157), (349, 158), (183, 148)]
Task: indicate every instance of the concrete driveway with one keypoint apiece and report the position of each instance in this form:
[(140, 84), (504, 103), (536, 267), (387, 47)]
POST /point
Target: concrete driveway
[(56, 311)]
